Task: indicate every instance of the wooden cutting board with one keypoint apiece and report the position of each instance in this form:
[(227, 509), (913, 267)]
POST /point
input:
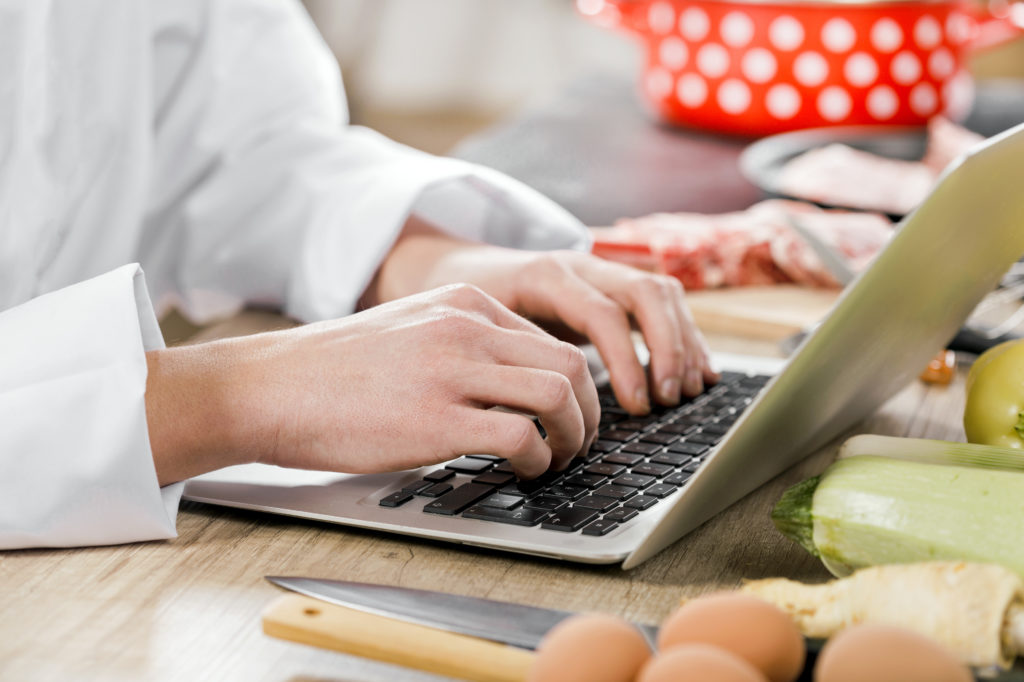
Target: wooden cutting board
[(768, 313)]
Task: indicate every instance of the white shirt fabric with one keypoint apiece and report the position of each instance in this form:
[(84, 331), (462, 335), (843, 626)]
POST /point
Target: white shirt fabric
[(206, 140)]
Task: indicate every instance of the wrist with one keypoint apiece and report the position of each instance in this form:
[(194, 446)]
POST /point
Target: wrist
[(195, 413)]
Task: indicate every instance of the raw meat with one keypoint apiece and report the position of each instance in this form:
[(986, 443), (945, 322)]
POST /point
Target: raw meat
[(744, 248), (839, 175)]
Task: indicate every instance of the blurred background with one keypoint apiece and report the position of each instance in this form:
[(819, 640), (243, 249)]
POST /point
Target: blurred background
[(430, 73)]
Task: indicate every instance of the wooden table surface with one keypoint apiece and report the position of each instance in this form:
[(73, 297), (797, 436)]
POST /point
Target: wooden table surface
[(190, 608)]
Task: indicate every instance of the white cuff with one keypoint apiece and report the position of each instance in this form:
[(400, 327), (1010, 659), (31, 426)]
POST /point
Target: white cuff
[(76, 460)]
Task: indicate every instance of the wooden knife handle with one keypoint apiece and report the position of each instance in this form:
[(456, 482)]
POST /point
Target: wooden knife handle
[(302, 619)]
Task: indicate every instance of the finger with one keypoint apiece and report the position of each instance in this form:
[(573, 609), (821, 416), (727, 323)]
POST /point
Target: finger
[(707, 372), (545, 353), (657, 302), (654, 303), (588, 311), (505, 434)]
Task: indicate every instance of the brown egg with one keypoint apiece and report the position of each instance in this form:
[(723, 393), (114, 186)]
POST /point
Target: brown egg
[(743, 625), (701, 662), (590, 648), (885, 653)]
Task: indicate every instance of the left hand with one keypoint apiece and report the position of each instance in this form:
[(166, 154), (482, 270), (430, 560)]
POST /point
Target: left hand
[(591, 296)]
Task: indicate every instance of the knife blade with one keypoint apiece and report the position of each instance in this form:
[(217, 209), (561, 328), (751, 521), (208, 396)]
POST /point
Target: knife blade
[(833, 259), (515, 624)]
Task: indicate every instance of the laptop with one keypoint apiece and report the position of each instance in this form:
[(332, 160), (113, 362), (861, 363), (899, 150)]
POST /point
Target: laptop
[(650, 481)]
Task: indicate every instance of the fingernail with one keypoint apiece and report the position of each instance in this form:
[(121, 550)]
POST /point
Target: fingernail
[(670, 390), (643, 400), (693, 382)]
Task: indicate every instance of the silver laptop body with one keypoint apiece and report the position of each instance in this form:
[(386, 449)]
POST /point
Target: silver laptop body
[(944, 258)]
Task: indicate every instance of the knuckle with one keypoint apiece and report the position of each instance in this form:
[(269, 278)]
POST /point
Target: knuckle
[(519, 435), (555, 391), (575, 360)]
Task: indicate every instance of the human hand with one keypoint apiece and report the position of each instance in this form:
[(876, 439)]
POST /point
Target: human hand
[(596, 298), (401, 385)]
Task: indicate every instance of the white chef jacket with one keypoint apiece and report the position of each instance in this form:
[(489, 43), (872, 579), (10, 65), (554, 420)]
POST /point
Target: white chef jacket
[(206, 141)]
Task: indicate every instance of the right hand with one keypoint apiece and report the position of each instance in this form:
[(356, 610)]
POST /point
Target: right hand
[(404, 384)]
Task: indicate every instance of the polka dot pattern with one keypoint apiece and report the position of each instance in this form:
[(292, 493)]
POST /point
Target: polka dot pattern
[(734, 96), (810, 68), (834, 103), (882, 103), (713, 60), (661, 17), (861, 69), (886, 35), (755, 67), (694, 24), (906, 68), (759, 65), (737, 29), (786, 33), (692, 90), (673, 53), (783, 101), (838, 35)]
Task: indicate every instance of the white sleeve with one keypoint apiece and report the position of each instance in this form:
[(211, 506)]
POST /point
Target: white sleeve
[(76, 461), (263, 194)]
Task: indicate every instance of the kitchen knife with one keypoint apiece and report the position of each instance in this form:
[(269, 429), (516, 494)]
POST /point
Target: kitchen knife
[(483, 620), (515, 624)]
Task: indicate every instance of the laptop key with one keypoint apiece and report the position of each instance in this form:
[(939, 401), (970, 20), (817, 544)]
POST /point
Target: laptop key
[(455, 501), (691, 467), (417, 486), (703, 438), (660, 490), (660, 438), (439, 475), (469, 465), (617, 435), (605, 469), (436, 490), (586, 480), (499, 501), (623, 458), (570, 492), (546, 502), (688, 448), (604, 445), (396, 499), (517, 517), (642, 448), (600, 527), (495, 478), (678, 479), (634, 480), (504, 468), (652, 469), (621, 515), (489, 458), (680, 427), (570, 519), (717, 429), (670, 458), (598, 502), (618, 492), (642, 502)]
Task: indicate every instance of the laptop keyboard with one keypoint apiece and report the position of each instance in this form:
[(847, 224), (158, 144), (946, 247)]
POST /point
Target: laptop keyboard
[(635, 463)]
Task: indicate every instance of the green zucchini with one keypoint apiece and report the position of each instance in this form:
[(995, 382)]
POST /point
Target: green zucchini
[(869, 510)]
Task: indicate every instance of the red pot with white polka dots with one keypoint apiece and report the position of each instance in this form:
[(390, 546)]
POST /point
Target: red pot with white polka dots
[(755, 68)]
